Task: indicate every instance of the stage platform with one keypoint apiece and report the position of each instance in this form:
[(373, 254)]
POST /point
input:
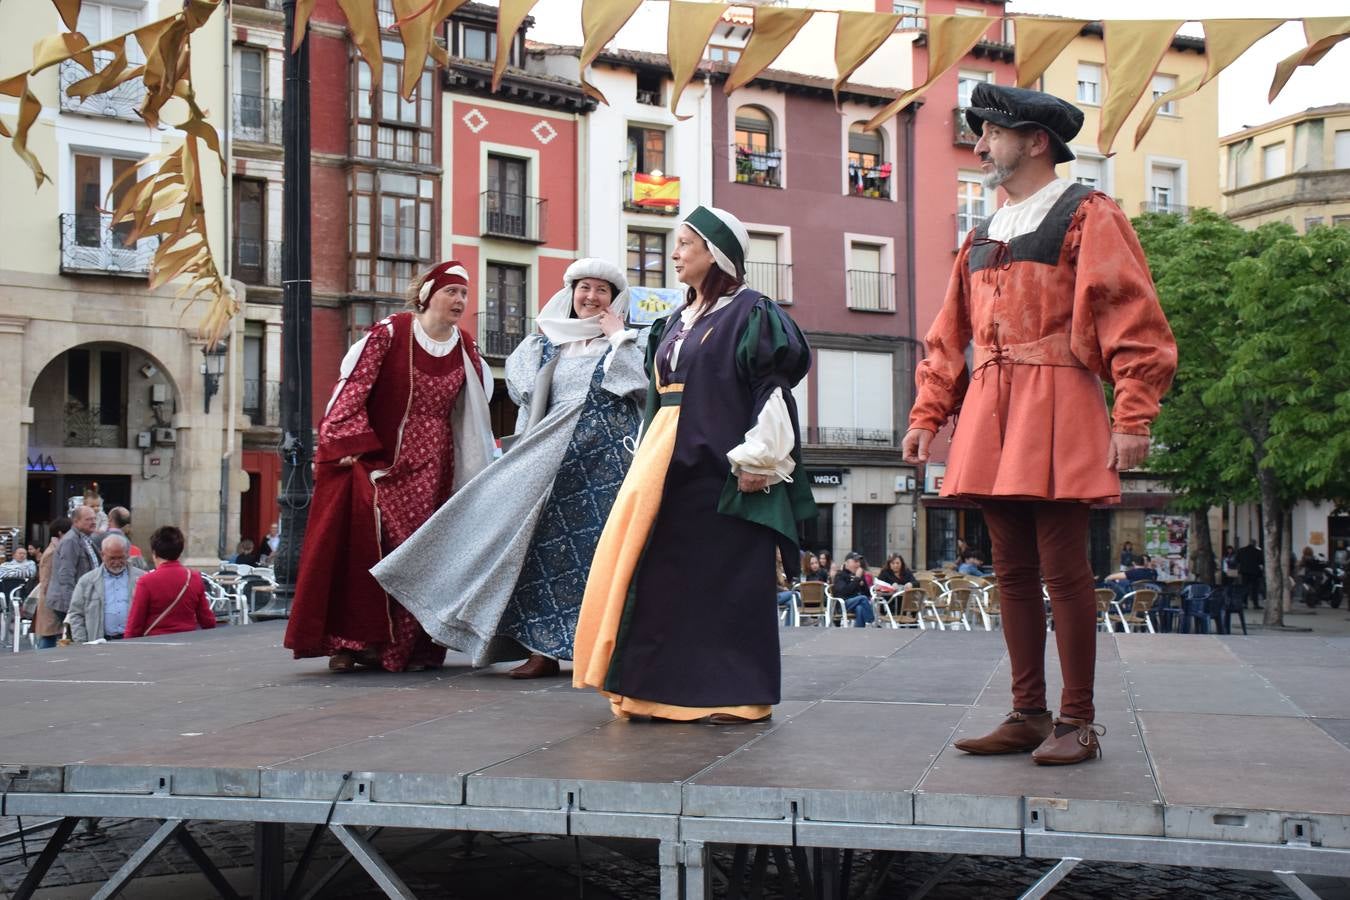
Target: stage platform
[(1227, 752)]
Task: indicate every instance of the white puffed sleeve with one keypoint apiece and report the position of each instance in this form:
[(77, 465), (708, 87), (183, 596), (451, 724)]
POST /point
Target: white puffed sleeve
[(617, 340), (767, 448)]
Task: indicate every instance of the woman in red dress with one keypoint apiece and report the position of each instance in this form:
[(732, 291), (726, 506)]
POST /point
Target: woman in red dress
[(408, 422)]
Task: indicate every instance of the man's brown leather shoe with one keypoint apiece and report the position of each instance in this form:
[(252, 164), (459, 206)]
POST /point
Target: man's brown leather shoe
[(1072, 741), (536, 667), (1018, 733)]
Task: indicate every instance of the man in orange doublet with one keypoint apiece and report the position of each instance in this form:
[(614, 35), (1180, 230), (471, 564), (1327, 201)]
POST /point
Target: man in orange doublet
[(1056, 294)]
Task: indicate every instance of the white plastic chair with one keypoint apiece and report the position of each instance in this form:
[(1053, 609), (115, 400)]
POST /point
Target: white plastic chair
[(881, 605)]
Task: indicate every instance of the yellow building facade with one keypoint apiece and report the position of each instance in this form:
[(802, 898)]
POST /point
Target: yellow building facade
[(1294, 170), (105, 379), (1174, 168)]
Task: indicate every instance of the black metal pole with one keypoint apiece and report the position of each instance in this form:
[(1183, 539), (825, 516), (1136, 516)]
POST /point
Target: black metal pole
[(296, 414)]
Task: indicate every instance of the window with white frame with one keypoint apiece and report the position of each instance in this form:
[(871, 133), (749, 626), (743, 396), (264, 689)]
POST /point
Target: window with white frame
[(1340, 150), (765, 270), (854, 398), (909, 12), (966, 80), (1090, 83), (1272, 161), (871, 283), (1164, 186), (1089, 171), (1238, 174), (1161, 85), (974, 202), (392, 128), (99, 22)]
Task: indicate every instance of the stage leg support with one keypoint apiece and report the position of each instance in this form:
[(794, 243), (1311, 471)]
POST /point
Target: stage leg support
[(269, 861), (1050, 879), (1296, 886), (670, 856), (114, 886), (373, 863), (198, 855), (935, 879), (46, 858), (697, 871)]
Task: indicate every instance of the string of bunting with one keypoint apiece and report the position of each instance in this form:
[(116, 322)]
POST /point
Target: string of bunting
[(169, 202)]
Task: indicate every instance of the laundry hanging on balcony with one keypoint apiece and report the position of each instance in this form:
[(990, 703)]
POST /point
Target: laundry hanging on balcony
[(656, 191)]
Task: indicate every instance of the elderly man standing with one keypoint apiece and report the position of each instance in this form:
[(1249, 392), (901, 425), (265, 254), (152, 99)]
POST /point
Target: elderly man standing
[(102, 598), (75, 556), (1056, 294)]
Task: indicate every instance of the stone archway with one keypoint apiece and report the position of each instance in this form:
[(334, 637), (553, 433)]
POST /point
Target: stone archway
[(102, 413)]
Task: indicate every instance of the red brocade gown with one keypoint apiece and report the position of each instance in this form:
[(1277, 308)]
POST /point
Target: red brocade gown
[(405, 492)]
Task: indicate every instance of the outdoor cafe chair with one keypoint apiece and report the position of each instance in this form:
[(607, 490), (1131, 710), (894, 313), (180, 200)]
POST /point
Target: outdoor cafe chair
[(993, 605), (1106, 606), (1138, 609), (910, 606), (811, 602), (881, 604), (950, 608)]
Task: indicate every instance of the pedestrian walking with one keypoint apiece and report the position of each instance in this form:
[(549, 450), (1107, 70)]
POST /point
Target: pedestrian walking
[(712, 481), (1056, 294), (407, 424), (523, 533)]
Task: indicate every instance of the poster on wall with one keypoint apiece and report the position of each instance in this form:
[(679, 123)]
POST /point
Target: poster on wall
[(646, 304), (1166, 541)]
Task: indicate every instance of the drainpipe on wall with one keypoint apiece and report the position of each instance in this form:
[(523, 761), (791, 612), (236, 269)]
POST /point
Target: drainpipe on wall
[(225, 145)]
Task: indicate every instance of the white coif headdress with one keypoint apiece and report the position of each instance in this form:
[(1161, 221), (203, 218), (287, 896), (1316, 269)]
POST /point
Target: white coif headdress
[(556, 320)]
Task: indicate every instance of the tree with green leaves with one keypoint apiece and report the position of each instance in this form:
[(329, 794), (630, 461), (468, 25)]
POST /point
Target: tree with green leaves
[(1260, 408)]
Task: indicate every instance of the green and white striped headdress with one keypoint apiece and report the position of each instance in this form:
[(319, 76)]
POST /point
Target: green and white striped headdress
[(726, 236)]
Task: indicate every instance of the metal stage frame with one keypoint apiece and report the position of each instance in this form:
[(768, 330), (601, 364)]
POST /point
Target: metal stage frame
[(1220, 752)]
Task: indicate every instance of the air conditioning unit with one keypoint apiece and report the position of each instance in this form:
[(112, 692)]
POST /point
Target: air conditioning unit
[(165, 436)]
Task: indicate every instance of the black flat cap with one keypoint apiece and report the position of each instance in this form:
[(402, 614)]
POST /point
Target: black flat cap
[(1010, 107)]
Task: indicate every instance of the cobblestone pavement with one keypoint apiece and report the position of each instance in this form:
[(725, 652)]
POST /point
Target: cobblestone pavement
[(438, 867)]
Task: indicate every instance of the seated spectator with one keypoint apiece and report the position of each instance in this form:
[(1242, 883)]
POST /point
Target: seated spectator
[(1138, 576), (244, 554), (828, 565), (812, 569), (786, 595), (1127, 556), (971, 565), (19, 567), (896, 574), (101, 604), (171, 598), (850, 585)]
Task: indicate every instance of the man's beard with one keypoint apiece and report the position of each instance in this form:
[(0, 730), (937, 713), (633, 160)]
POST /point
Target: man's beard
[(1001, 174)]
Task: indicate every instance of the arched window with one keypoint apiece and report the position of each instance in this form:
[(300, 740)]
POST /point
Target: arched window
[(757, 156), (869, 172)]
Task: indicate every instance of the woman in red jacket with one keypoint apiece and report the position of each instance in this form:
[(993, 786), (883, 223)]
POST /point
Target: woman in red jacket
[(171, 598)]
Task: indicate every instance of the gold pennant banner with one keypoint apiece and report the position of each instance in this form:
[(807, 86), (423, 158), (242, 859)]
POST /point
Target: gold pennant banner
[(1322, 34), (774, 29), (1133, 51), (1039, 42), (510, 15), (600, 21), (949, 39), (1225, 41), (857, 36), (690, 26)]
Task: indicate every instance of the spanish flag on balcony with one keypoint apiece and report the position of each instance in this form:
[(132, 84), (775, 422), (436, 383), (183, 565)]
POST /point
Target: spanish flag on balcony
[(656, 191)]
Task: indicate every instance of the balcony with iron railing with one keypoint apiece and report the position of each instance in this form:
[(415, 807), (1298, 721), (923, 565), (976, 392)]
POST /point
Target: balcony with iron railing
[(120, 102), (852, 438), (1165, 207), (274, 5), (515, 217), (498, 335), (262, 402), (91, 426), (257, 263), (762, 167), (772, 279), (257, 119), (870, 181), (871, 291), (962, 134), (90, 245)]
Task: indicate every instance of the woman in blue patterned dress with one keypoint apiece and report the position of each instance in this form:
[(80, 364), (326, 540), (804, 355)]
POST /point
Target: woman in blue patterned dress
[(523, 532)]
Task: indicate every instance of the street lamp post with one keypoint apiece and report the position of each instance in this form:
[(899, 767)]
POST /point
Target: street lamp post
[(213, 367), (296, 426)]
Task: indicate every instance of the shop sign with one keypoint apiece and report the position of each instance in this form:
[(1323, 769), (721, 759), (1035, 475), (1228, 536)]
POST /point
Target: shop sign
[(933, 474), (41, 464), (827, 477)]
